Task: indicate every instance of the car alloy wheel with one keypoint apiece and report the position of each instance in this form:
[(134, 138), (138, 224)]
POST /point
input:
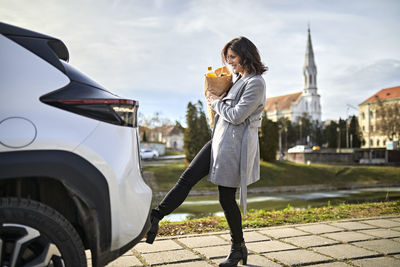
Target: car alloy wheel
[(25, 245), (33, 234)]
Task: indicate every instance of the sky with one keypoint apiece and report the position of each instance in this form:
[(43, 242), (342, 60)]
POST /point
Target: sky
[(157, 51)]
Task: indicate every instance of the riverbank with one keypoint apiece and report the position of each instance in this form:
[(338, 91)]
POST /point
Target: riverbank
[(288, 216), (279, 177)]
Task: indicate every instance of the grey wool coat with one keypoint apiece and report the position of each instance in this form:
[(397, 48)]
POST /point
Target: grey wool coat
[(235, 155)]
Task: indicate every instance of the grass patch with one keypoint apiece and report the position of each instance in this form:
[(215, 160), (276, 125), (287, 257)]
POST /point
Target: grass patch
[(172, 153), (290, 174), (263, 218)]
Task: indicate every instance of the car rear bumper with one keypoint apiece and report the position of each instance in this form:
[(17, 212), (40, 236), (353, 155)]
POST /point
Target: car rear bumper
[(107, 257)]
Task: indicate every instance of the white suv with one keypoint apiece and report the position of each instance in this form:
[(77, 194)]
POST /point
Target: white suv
[(70, 174)]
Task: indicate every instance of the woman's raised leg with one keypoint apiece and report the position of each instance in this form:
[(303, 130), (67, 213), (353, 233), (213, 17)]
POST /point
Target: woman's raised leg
[(198, 168)]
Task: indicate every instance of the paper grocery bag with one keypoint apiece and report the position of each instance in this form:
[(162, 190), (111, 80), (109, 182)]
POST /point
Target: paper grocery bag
[(218, 86)]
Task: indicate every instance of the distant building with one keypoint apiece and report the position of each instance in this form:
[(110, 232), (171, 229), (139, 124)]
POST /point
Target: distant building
[(368, 119), (171, 136), (294, 105)]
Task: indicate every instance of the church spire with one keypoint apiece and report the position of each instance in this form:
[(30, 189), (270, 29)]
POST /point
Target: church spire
[(310, 69)]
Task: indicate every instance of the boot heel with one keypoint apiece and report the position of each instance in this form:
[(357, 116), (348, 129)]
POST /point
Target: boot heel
[(244, 253)]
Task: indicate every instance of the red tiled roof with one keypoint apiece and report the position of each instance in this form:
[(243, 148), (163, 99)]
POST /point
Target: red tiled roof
[(387, 93), (282, 102)]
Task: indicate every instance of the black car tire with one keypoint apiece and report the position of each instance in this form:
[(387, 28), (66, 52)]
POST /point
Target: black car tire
[(37, 234)]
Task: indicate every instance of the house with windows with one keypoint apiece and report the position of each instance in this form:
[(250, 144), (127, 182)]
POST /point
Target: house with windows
[(294, 105), (169, 135), (369, 117)]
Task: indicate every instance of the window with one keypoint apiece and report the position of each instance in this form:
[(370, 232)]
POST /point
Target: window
[(377, 142), (363, 128), (371, 142), (310, 79), (362, 115)]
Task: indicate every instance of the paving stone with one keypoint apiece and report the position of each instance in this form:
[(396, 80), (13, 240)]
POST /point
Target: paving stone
[(396, 239), (161, 245), (257, 260), (169, 257), (383, 233), (396, 228), (383, 223), (348, 236), (386, 246), (395, 219), (332, 264), (319, 228), (352, 225), (125, 261), (297, 257), (190, 264), (283, 232), (377, 262), (269, 246), (214, 252), (345, 251), (249, 237), (203, 241), (310, 241)]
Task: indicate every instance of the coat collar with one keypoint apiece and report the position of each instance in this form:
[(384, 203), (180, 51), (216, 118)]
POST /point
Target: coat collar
[(237, 86)]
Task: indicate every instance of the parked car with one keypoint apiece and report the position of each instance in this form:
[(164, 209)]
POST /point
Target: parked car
[(316, 148), (149, 154), (300, 149), (70, 175)]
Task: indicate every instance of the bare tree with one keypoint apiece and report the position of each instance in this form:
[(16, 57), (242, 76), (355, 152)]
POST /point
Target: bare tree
[(388, 119)]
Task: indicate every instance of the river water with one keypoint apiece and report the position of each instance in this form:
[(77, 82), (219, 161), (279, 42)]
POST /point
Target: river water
[(195, 207)]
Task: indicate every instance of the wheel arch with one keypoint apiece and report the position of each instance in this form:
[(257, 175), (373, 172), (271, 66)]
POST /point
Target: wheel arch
[(66, 182)]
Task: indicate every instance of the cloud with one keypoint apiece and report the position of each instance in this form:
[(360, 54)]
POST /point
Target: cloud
[(157, 51), (356, 84)]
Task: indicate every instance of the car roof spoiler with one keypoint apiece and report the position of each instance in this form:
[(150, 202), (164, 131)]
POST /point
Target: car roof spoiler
[(37, 43)]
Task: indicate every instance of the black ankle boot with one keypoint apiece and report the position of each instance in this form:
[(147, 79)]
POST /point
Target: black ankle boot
[(238, 253), (151, 234)]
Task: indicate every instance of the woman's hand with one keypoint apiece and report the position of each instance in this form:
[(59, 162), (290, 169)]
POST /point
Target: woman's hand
[(210, 97)]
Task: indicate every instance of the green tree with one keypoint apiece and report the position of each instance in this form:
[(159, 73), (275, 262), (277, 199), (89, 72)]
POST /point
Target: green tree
[(144, 136), (354, 131), (197, 132), (269, 138), (204, 132), (330, 134)]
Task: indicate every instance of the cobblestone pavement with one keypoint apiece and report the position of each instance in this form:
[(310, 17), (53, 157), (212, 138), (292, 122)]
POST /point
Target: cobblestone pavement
[(358, 242)]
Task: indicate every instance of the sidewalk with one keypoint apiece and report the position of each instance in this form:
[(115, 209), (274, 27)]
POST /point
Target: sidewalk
[(358, 242)]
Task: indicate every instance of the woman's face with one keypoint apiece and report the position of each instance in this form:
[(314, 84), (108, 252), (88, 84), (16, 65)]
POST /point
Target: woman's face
[(234, 60)]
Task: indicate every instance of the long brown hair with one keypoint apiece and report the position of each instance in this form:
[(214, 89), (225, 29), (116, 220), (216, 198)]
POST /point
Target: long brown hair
[(249, 57)]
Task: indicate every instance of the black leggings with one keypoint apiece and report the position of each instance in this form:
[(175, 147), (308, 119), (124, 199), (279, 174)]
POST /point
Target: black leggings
[(199, 168)]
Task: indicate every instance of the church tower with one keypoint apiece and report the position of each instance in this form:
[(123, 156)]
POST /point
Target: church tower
[(310, 69), (310, 95), (293, 106)]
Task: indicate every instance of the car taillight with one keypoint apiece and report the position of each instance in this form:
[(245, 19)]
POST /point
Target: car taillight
[(116, 111)]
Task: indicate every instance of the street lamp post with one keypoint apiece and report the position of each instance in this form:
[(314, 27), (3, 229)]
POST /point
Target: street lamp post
[(301, 138), (286, 146)]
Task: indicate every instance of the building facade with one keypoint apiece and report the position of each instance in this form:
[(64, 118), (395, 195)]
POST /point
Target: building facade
[(370, 119), (294, 105)]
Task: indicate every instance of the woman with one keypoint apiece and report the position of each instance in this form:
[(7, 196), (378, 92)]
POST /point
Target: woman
[(231, 158)]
